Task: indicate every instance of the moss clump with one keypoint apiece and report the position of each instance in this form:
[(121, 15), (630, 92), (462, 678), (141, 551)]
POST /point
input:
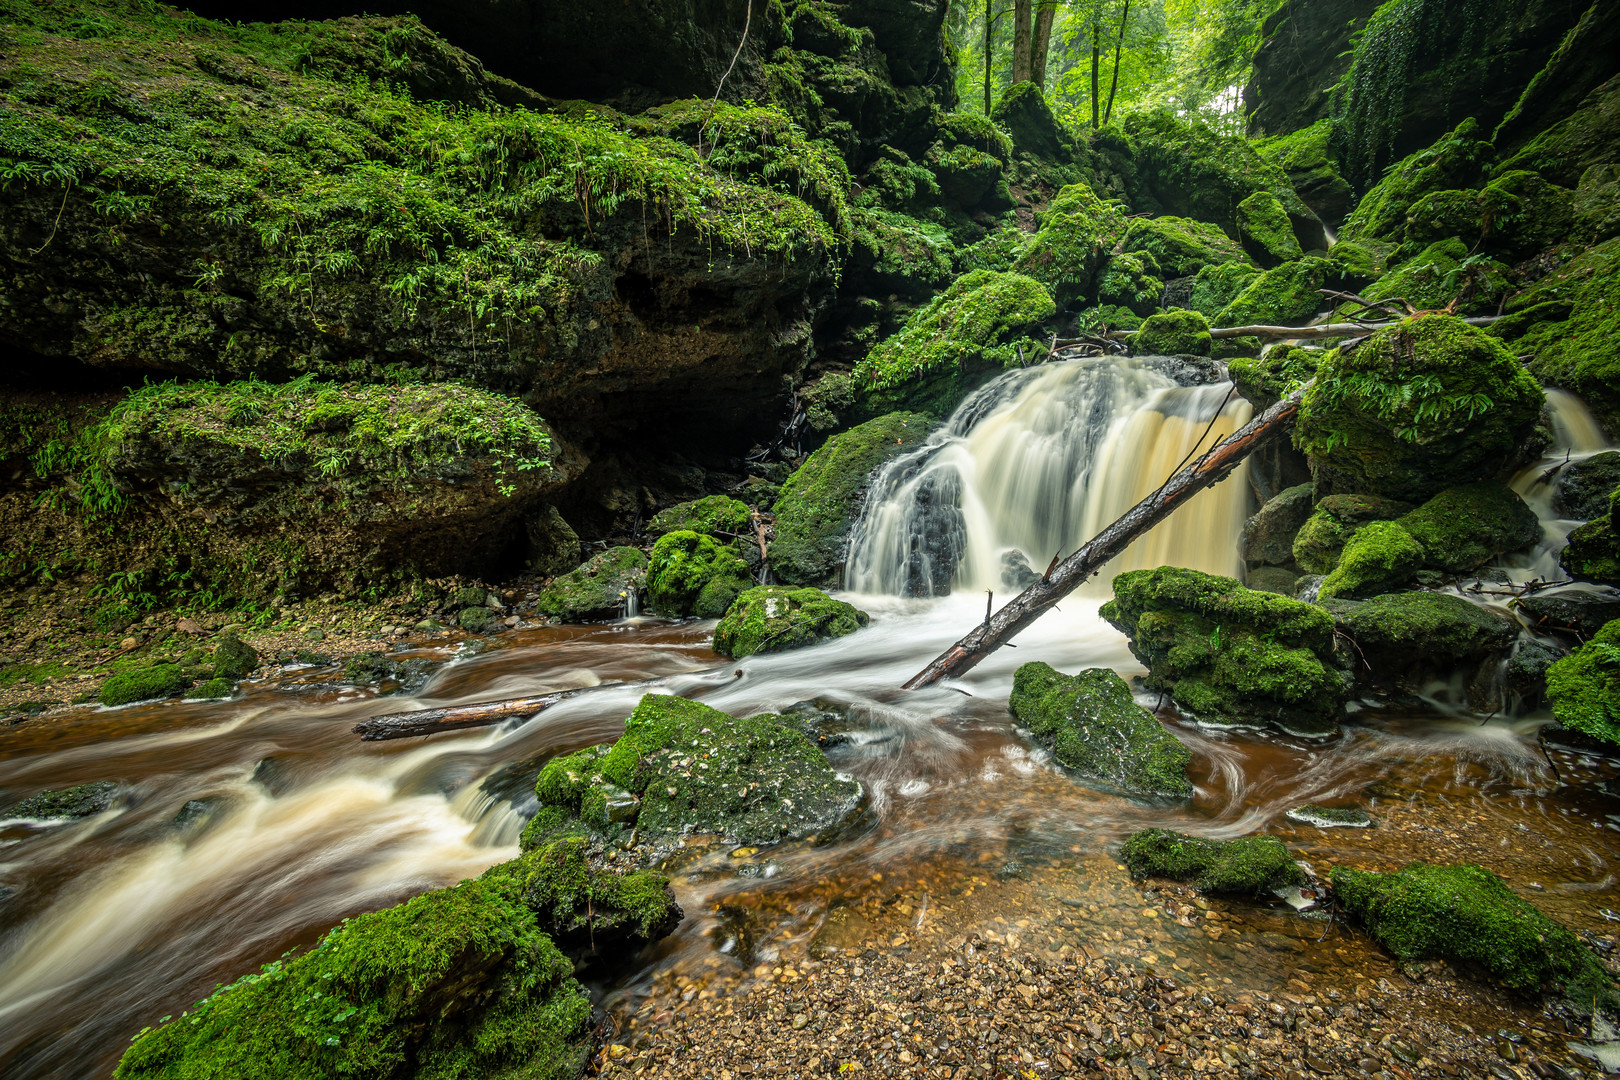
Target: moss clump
[(1335, 520), (773, 619), (1584, 687), (143, 684), (1442, 273), (582, 905), (1424, 405), (1593, 553), (819, 502), (1569, 324), (212, 690), (1312, 167), (1465, 527), (1180, 247), (1231, 655), (1380, 556), (1266, 379), (234, 658), (1216, 286), (1398, 632), (1360, 261), (693, 574), (1077, 232), (600, 588), (1266, 232), (1247, 866), (715, 515), (1285, 295), (1466, 914), (691, 768), (1453, 162), (1440, 215), (81, 800), (1092, 725), (1173, 333), (983, 319), (1130, 280), (457, 982)]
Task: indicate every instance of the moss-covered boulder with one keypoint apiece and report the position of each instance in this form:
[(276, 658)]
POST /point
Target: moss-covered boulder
[(215, 689), (1092, 725), (682, 767), (774, 618), (1593, 553), (1266, 379), (1523, 214), (1440, 215), (79, 801), (1231, 655), (1216, 286), (1587, 137), (1333, 522), (1585, 487), (819, 502), (1285, 295), (601, 588), (714, 515), (1266, 232), (1380, 556), (1179, 246), (1424, 405), (1178, 332), (1452, 163), (233, 658), (143, 684), (1077, 232), (1131, 280), (1442, 274), (1584, 687), (1568, 323), (1597, 203), (693, 574), (1466, 914), (1410, 637), (1248, 866), (456, 982), (1463, 528), (583, 905), (1308, 160)]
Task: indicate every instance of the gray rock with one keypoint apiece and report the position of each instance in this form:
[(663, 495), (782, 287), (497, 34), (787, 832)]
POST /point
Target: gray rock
[(1584, 487), (80, 801), (1268, 536), (1582, 609), (1331, 817)]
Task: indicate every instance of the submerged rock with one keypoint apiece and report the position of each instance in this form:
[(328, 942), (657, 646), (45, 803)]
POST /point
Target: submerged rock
[(143, 684), (693, 574), (601, 588), (81, 800), (1584, 687), (774, 618), (713, 515), (396, 675), (1092, 725), (1331, 817), (1247, 866), (1231, 655)]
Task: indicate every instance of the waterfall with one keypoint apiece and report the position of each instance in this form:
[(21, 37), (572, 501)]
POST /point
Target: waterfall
[(1037, 462)]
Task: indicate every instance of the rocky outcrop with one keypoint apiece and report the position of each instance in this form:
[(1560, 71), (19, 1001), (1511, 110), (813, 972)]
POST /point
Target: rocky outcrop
[(1304, 51)]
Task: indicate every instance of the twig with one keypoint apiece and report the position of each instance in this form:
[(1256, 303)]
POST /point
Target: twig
[(748, 18)]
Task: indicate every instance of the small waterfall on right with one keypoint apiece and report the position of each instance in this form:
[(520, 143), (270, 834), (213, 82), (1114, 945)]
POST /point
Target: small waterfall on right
[(1037, 462), (1576, 437)]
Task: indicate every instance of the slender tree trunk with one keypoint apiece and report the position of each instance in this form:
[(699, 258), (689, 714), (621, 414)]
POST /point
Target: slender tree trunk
[(1119, 46), (1096, 61), (1042, 43), (1022, 10), (989, 22)]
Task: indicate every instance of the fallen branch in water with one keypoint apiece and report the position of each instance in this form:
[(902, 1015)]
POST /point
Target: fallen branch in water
[(1350, 329), (1068, 575)]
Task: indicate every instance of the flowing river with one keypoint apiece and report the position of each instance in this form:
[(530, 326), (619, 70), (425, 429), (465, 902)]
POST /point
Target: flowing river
[(288, 824)]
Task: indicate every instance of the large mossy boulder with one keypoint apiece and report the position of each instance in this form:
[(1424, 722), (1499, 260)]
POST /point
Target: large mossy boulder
[(1593, 551), (1424, 405), (682, 767), (1286, 295), (1380, 556), (775, 618), (1180, 247), (1266, 379), (584, 905), (601, 588), (143, 684), (1410, 637), (1465, 914), (1248, 866), (714, 515), (1442, 274), (1453, 162), (1584, 687), (1231, 655), (1308, 160), (1092, 725), (1217, 285), (1463, 528), (1178, 332), (1078, 230), (1586, 138), (819, 502), (1266, 232), (689, 573)]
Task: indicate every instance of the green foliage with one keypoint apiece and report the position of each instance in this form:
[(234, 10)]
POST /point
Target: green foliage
[(774, 618), (603, 585), (1584, 687), (1441, 273), (983, 318), (1219, 284), (1267, 379), (1247, 866), (1130, 280), (715, 515), (1077, 232), (692, 574), (1173, 333), (143, 684)]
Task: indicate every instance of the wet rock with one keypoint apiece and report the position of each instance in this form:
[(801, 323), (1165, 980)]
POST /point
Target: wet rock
[(1526, 674), (273, 774), (477, 620), (1249, 865), (827, 723), (713, 515), (1016, 573), (396, 675), (1265, 231), (1335, 519), (1331, 817), (1272, 579), (1408, 638), (1268, 536), (553, 545), (143, 684), (212, 690), (1092, 725), (79, 801), (1584, 687), (582, 905), (601, 588), (197, 813), (233, 657), (1584, 487), (774, 618), (1583, 610), (693, 574)]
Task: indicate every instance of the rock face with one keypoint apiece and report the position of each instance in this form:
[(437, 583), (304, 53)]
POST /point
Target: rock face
[(1092, 725), (1304, 51), (774, 619), (1247, 866), (1567, 323), (601, 588), (1584, 687), (1230, 655), (1268, 536)]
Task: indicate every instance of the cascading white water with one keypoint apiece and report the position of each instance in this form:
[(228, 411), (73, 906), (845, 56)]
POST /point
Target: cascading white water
[(1039, 461), (1576, 437)]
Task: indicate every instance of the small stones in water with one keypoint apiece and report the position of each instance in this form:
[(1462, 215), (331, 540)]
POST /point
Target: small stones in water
[(1331, 817)]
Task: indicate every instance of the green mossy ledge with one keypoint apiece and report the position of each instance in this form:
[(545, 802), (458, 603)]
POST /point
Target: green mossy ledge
[(1092, 725), (600, 588), (1230, 655), (819, 502), (1569, 325), (1409, 637), (714, 515), (775, 618), (693, 574), (1465, 914), (1584, 687), (681, 768), (1251, 866)]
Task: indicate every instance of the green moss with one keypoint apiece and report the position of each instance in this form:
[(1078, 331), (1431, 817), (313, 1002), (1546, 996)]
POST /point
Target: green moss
[(1564, 151), (1465, 914), (1359, 261), (1584, 687), (1593, 553), (1077, 232), (1231, 655), (81, 800), (773, 619), (713, 514), (1444, 215), (999, 251), (1333, 522), (900, 253), (1311, 164), (818, 503), (582, 905), (1180, 247), (1380, 556), (143, 684), (1092, 725), (600, 587), (1218, 285), (1266, 232), (1424, 405), (1442, 273), (457, 982), (1285, 295), (1266, 379), (234, 658), (1465, 527), (1173, 333), (1247, 866), (1597, 203), (692, 574), (1453, 162), (211, 690), (1569, 325), (1130, 280), (1399, 629)]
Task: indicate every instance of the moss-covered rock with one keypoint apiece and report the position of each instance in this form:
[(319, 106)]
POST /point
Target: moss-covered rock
[(1268, 536), (581, 904), (1285, 295), (79, 801), (1360, 261), (1217, 285), (715, 515), (774, 618), (1441, 215), (682, 767), (1231, 655), (1077, 232), (143, 684), (1563, 152), (1465, 527), (1130, 280), (214, 689), (600, 588), (1593, 553), (233, 658), (693, 574), (1424, 405), (1443, 273), (1333, 522), (1248, 866), (1569, 325), (1585, 487), (1178, 332), (1266, 379), (1409, 637), (1523, 214), (819, 502), (1584, 687), (1597, 203), (1466, 914), (1180, 247), (1266, 232), (1308, 160), (459, 981), (1380, 556), (1092, 725), (1454, 162)]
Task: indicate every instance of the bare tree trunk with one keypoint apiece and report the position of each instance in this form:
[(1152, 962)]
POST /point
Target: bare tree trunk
[(1022, 10), (1042, 43), (1066, 576), (1119, 47), (989, 23), (1096, 59)]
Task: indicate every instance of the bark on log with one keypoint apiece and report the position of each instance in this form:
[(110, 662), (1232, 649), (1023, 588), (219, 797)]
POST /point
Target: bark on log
[(1324, 330), (1069, 574)]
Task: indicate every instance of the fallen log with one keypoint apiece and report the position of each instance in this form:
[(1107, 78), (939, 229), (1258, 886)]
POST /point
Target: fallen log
[(1066, 576), (1324, 330)]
